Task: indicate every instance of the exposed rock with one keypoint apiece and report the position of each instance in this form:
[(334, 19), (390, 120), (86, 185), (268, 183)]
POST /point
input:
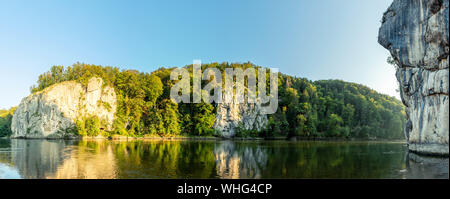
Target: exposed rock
[(230, 116), (53, 112), (417, 35)]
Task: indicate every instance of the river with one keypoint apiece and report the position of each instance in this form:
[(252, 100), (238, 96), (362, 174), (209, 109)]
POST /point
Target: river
[(158, 159)]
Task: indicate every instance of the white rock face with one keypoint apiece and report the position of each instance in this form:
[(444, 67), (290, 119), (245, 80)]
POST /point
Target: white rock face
[(230, 116), (417, 35), (53, 112)]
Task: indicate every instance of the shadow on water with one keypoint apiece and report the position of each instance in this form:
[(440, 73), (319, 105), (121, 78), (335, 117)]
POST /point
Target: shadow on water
[(213, 159), (426, 167)]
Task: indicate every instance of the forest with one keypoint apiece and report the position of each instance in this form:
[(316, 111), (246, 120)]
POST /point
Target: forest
[(310, 109)]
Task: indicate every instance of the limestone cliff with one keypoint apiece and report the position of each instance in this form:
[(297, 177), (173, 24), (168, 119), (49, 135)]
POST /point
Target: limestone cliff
[(416, 34), (231, 116), (53, 112)]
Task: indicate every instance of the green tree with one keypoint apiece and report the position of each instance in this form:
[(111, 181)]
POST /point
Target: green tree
[(92, 125), (334, 125), (5, 121), (312, 109), (203, 119)]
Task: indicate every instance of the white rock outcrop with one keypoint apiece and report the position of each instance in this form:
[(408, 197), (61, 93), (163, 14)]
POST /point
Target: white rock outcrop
[(53, 112), (231, 116), (417, 35)]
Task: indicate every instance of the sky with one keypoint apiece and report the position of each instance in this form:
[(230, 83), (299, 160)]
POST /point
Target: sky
[(327, 39)]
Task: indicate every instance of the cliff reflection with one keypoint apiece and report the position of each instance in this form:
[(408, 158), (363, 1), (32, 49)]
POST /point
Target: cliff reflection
[(63, 159), (213, 159), (37, 158), (88, 160), (136, 159), (235, 161), (420, 167)]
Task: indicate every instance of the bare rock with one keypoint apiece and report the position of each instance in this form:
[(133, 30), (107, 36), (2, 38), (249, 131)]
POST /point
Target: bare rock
[(230, 116), (416, 34), (53, 112)]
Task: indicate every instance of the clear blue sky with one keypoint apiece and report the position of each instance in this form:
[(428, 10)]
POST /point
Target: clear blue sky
[(327, 39)]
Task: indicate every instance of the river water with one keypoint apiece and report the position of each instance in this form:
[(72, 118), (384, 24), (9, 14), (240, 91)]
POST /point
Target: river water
[(213, 159)]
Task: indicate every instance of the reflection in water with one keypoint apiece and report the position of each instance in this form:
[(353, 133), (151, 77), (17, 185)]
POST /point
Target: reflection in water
[(37, 158), (91, 160), (7, 172), (7, 169), (426, 167), (234, 161), (213, 159), (62, 159)]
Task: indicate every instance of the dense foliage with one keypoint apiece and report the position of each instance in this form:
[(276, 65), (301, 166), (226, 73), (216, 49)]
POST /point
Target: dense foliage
[(334, 108), (326, 108), (5, 121)]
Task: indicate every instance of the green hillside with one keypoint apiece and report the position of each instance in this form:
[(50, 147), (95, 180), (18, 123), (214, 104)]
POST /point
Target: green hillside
[(325, 108)]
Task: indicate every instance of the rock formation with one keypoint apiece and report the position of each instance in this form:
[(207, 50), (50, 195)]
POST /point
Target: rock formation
[(416, 34), (53, 112), (231, 116)]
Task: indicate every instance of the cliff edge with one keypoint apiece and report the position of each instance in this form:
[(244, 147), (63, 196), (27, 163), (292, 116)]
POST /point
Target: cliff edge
[(416, 34), (53, 112)]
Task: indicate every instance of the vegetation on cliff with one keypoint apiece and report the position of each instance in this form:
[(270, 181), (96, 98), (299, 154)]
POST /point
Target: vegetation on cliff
[(325, 108)]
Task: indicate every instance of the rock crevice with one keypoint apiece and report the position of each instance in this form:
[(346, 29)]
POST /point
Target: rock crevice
[(231, 116)]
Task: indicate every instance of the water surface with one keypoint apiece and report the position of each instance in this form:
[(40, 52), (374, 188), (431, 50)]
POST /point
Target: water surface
[(213, 159)]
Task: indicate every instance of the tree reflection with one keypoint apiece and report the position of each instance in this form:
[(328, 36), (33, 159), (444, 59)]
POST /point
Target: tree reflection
[(213, 159)]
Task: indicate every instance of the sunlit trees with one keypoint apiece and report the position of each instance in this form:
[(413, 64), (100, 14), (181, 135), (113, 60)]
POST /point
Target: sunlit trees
[(325, 108), (5, 121)]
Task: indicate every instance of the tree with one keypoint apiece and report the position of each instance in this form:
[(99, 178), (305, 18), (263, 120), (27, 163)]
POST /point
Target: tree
[(169, 113), (312, 109), (334, 125), (203, 119), (5, 121), (301, 126)]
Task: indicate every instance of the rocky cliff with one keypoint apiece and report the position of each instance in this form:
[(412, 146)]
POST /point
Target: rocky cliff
[(231, 116), (53, 112), (416, 32)]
